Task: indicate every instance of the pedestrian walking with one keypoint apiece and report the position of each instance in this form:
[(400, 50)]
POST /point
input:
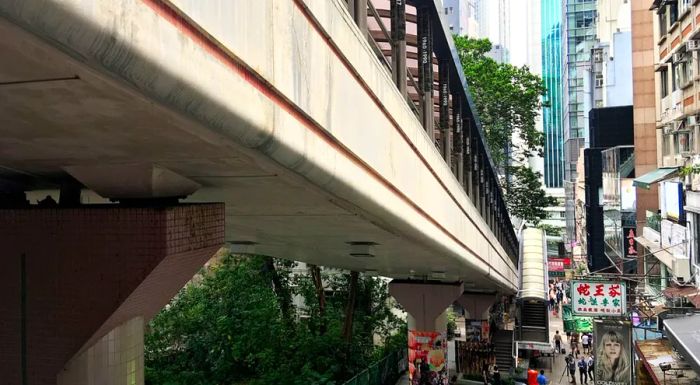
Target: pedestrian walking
[(571, 366), (585, 339), (542, 379), (557, 342), (583, 370), (552, 298), (590, 363), (496, 376), (574, 341)]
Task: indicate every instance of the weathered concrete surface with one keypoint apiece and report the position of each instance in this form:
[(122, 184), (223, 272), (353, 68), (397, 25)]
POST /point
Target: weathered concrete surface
[(299, 129)]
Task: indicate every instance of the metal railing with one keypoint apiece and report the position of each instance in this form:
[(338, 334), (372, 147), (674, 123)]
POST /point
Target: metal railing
[(427, 70), (385, 372)]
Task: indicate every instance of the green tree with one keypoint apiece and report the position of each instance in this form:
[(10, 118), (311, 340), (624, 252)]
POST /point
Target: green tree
[(235, 324), (549, 229), (525, 197), (508, 99)]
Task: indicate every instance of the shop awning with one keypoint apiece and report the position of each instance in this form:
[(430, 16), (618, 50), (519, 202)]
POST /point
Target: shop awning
[(685, 336), (691, 293), (654, 353), (645, 181)]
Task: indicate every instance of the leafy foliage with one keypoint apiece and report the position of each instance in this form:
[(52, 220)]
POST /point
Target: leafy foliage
[(507, 100), (549, 229), (230, 327), (526, 198)]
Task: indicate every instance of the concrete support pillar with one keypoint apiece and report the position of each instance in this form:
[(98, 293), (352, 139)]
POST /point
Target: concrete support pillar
[(115, 359), (71, 276), (398, 44), (426, 304), (477, 305)]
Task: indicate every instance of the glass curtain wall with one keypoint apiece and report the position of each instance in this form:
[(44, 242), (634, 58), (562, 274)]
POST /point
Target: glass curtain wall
[(552, 75), (578, 38)]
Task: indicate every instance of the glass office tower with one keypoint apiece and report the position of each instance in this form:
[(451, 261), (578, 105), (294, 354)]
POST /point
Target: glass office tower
[(578, 38), (551, 15)]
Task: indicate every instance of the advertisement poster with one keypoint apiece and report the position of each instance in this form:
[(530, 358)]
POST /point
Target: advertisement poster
[(596, 298), (472, 332), (427, 356), (555, 266), (613, 355)]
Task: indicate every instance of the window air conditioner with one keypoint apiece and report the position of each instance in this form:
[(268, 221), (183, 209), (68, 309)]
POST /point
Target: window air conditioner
[(693, 45)]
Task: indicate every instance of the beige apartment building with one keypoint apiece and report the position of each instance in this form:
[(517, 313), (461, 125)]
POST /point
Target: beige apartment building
[(668, 192)]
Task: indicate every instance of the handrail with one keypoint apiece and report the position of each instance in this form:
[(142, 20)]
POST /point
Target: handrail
[(378, 52), (443, 47), (379, 21), (383, 372)]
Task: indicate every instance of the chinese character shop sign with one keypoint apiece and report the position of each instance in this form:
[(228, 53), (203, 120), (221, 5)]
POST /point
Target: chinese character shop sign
[(630, 244), (595, 298)]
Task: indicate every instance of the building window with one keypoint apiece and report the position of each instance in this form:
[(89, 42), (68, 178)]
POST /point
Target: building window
[(675, 79), (663, 24), (598, 55), (684, 68), (683, 5), (664, 82), (673, 13), (684, 141), (584, 19), (667, 144), (598, 104), (599, 80)]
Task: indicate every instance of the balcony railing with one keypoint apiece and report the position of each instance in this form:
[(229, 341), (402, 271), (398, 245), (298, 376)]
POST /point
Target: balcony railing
[(411, 40)]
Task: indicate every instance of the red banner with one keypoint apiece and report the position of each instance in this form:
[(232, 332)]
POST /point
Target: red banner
[(557, 264)]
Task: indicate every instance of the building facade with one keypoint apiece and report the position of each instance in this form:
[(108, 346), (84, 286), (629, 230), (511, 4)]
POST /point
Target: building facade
[(461, 17), (552, 76), (578, 38), (671, 234)]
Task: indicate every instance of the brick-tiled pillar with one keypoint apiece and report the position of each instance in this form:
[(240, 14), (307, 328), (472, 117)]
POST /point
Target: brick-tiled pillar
[(88, 270)]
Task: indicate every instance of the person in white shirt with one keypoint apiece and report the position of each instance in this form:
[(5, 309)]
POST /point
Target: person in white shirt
[(585, 340)]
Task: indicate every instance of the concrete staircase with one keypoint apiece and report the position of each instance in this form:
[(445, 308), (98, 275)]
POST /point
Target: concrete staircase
[(503, 349)]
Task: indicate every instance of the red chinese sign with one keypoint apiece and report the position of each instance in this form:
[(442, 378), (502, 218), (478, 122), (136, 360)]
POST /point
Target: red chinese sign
[(555, 264), (630, 243), (592, 298)]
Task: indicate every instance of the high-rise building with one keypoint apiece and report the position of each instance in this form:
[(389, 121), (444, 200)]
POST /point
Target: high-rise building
[(578, 38), (461, 17), (552, 75), (493, 17), (667, 140)]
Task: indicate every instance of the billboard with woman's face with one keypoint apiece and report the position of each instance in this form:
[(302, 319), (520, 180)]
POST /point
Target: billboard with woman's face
[(613, 354)]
